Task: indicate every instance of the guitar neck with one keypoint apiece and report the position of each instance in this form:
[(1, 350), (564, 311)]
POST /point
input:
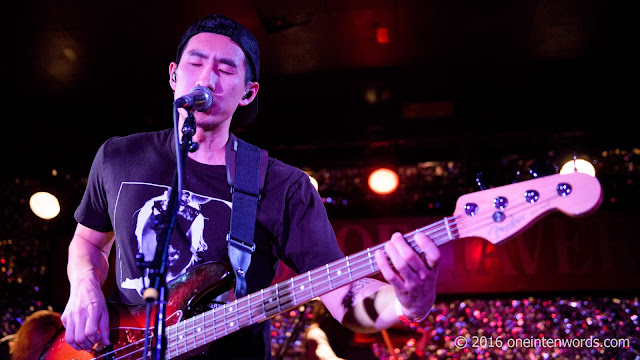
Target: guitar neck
[(204, 328)]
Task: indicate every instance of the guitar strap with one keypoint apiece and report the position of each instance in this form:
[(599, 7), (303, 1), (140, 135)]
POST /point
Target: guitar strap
[(246, 171)]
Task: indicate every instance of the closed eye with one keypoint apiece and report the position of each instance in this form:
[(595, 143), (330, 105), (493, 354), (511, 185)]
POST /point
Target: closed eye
[(226, 69)]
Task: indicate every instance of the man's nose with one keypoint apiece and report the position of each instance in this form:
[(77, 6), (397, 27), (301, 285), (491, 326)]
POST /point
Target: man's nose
[(207, 78)]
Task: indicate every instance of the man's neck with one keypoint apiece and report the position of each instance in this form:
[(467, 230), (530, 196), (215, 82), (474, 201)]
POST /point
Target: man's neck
[(213, 144)]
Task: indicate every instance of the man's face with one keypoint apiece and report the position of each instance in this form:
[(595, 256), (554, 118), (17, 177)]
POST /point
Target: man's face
[(216, 62)]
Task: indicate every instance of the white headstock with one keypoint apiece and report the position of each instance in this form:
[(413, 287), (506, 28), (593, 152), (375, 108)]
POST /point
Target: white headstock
[(500, 213)]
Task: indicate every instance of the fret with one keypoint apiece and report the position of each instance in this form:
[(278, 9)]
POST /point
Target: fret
[(354, 273), (370, 259), (272, 308), (246, 309), (286, 296), (310, 284), (278, 298), (237, 316), (186, 337), (181, 336), (204, 329), (224, 317), (250, 309), (187, 332), (349, 269), (193, 331), (216, 328), (264, 310), (176, 343), (213, 320), (319, 283), (248, 320), (293, 291), (329, 277)]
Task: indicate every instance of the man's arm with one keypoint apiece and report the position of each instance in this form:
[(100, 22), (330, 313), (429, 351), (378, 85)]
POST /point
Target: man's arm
[(85, 317), (317, 345), (368, 305)]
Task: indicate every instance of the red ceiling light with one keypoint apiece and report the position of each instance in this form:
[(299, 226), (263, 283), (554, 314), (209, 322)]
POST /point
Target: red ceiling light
[(382, 35)]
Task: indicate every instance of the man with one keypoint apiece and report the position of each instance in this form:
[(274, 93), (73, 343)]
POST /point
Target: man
[(130, 176)]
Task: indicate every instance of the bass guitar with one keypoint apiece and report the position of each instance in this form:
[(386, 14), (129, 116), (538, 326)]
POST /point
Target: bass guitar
[(496, 214)]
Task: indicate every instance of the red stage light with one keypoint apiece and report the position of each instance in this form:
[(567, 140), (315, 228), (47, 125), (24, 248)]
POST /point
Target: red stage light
[(382, 35)]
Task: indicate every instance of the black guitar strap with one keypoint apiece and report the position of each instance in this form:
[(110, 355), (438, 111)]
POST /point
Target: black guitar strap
[(246, 171)]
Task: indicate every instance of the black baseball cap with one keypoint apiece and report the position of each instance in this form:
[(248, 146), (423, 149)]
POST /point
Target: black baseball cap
[(223, 25)]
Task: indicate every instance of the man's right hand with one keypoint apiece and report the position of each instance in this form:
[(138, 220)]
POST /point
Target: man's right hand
[(86, 317)]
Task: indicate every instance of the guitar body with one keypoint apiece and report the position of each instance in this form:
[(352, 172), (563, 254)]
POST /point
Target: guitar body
[(187, 295)]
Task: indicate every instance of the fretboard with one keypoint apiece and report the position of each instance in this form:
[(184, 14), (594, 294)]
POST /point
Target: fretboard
[(204, 328)]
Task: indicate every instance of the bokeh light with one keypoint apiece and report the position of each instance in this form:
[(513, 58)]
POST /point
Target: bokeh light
[(383, 181), (44, 205), (579, 165)]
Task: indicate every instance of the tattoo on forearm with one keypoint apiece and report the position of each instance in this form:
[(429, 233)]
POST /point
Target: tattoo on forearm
[(347, 301)]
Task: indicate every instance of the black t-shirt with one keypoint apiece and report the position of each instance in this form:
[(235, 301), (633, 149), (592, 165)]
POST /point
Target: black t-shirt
[(129, 185)]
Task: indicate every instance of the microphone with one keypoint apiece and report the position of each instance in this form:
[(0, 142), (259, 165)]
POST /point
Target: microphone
[(199, 99)]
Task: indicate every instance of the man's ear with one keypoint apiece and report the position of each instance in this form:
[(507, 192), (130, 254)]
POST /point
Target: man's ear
[(173, 67), (250, 93)]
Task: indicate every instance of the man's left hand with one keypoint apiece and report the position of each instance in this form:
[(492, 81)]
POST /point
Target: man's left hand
[(413, 276)]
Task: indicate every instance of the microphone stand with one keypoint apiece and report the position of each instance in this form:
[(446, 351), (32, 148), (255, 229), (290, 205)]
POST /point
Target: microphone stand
[(163, 226)]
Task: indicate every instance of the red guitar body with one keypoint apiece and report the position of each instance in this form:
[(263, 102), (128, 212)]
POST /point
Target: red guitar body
[(127, 323)]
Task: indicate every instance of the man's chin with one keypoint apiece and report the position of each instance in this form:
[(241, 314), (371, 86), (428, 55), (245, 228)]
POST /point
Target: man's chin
[(209, 123)]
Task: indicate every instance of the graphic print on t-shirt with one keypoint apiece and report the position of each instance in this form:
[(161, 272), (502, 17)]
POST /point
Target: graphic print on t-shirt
[(199, 217)]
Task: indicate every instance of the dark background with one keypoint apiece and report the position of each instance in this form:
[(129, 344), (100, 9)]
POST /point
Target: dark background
[(472, 80)]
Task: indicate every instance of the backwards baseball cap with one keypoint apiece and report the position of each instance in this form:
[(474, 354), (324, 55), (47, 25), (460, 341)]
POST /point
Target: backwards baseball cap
[(223, 25)]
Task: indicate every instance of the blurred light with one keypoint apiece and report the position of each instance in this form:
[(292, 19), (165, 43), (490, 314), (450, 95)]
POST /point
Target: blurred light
[(59, 56), (44, 205), (70, 54), (578, 165), (313, 180), (370, 96), (382, 35), (383, 181)]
